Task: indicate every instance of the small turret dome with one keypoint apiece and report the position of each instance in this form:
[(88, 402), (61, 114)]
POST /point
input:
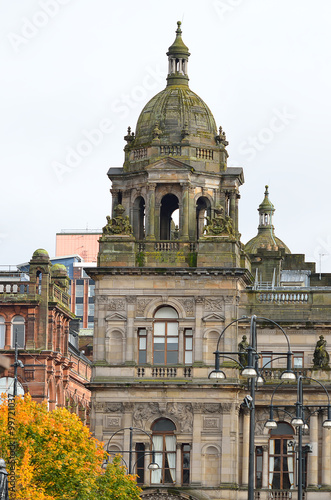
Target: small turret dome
[(265, 237), (59, 270), (40, 254)]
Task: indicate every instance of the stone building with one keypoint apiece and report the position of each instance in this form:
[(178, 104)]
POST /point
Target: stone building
[(35, 310), (172, 274)]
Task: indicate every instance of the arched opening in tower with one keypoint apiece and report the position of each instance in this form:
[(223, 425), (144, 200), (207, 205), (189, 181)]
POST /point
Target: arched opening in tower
[(203, 211), (139, 218), (168, 229)]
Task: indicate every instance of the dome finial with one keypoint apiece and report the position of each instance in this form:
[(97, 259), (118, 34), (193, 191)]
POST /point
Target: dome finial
[(178, 55)]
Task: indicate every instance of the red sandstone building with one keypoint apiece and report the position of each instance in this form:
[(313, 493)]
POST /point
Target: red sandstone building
[(35, 309)]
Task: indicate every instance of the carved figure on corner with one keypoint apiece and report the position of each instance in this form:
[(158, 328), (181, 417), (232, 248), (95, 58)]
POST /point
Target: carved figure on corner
[(119, 224), (321, 356)]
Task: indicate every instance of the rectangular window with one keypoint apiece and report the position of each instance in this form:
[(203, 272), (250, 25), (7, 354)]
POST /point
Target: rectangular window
[(90, 309), (165, 343), (298, 360), (91, 288), (79, 290), (140, 466), (258, 467), (186, 463), (79, 311), (188, 346), (266, 360), (142, 346)]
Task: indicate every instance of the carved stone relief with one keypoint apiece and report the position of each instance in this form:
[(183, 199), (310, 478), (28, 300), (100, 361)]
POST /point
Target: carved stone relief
[(214, 304), (143, 411), (183, 413), (188, 305), (212, 408), (211, 423), (113, 407), (262, 415), (141, 305), (112, 304), (113, 422)]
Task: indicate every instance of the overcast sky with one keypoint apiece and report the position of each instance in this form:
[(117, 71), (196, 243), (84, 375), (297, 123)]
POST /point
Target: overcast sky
[(82, 70)]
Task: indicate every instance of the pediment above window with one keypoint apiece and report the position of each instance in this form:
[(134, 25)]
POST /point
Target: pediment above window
[(115, 317), (213, 318)]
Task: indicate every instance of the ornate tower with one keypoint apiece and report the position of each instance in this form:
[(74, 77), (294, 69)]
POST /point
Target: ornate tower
[(175, 186), (170, 273)]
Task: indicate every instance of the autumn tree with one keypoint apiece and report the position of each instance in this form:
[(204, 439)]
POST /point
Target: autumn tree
[(57, 458)]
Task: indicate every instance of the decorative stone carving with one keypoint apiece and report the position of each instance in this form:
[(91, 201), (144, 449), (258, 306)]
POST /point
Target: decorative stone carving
[(141, 305), (262, 415), (113, 407), (116, 305), (211, 423), (188, 305), (143, 411), (131, 299), (184, 413), (199, 300), (98, 406), (113, 422), (212, 408), (227, 407), (117, 225), (219, 225), (214, 304)]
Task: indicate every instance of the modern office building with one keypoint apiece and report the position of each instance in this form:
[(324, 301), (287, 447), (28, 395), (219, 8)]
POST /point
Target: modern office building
[(170, 292)]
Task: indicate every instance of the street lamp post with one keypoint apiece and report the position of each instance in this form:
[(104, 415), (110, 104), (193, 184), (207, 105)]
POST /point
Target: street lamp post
[(152, 466), (251, 372), (299, 422)]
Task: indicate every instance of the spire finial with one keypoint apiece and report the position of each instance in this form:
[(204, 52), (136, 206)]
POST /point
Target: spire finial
[(178, 55), (179, 31), (266, 190)]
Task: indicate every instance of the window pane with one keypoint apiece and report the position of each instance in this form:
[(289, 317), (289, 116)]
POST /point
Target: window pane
[(188, 332), (79, 290), (159, 328), (172, 343), (159, 343), (172, 329), (2, 333), (172, 357), (166, 312), (79, 309), (189, 344), (142, 356), (159, 358), (142, 343), (188, 358), (142, 331)]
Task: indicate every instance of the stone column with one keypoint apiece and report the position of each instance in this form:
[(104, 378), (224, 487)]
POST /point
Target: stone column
[(181, 353), (245, 448), (198, 333), (178, 464), (196, 468), (131, 338), (265, 467), (150, 213), (313, 457), (227, 457), (326, 450), (192, 222), (185, 218), (8, 335), (235, 220), (147, 460)]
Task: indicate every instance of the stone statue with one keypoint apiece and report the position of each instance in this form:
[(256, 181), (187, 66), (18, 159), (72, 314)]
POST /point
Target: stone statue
[(219, 224), (156, 132), (3, 481), (321, 356), (242, 348), (119, 224)]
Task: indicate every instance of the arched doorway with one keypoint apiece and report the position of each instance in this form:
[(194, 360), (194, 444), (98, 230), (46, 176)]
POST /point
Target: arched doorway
[(169, 204)]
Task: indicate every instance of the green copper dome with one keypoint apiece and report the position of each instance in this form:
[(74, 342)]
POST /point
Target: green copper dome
[(177, 123), (177, 112)]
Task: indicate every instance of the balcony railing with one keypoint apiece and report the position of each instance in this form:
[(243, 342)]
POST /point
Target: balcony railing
[(161, 372), (284, 297), (14, 287)]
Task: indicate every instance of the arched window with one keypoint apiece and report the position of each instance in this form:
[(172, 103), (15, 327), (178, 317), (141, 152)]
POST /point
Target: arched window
[(18, 331), (203, 211), (281, 457), (139, 218), (165, 338), (164, 441), (2, 332), (169, 204), (7, 386)]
